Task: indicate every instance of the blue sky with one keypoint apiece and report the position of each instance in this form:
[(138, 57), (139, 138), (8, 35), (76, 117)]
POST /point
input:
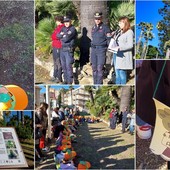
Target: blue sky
[(28, 113), (147, 11), (57, 87)]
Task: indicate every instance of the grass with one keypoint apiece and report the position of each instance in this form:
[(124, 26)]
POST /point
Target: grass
[(17, 46)]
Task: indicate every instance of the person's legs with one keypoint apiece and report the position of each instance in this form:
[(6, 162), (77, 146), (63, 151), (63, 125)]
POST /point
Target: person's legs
[(94, 65), (117, 71), (63, 64), (55, 62), (69, 68), (58, 64), (123, 124), (101, 57), (123, 76), (117, 81)]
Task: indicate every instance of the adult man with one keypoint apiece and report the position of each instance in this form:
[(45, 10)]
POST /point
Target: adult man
[(100, 36), (124, 119), (67, 36)]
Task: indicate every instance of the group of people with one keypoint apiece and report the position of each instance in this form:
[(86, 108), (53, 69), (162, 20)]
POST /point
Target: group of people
[(63, 42), (126, 118), (64, 122)]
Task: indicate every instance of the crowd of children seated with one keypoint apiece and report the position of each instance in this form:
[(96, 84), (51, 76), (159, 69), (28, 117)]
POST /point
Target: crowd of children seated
[(64, 124)]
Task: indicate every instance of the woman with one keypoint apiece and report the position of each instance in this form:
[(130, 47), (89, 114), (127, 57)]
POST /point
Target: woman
[(122, 57), (56, 44)]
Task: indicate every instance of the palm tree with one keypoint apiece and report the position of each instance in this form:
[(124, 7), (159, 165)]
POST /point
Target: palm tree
[(43, 35), (167, 49), (125, 98), (71, 93), (89, 89), (18, 117), (22, 117), (119, 9), (141, 26), (146, 33), (1, 114), (62, 91), (87, 10)]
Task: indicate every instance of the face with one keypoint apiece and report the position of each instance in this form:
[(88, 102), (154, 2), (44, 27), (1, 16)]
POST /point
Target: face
[(57, 22), (121, 24), (98, 21), (67, 24)]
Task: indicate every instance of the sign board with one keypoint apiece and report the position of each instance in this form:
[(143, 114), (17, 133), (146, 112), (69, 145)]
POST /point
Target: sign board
[(160, 144), (11, 153)]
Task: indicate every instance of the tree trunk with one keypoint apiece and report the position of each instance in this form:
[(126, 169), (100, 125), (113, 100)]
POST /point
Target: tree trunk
[(143, 55), (125, 97), (18, 117), (168, 53), (115, 96), (77, 6), (139, 43), (32, 119), (22, 117), (1, 114), (87, 10)]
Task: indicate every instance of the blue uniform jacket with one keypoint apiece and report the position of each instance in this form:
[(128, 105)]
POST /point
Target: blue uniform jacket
[(99, 35), (69, 36)]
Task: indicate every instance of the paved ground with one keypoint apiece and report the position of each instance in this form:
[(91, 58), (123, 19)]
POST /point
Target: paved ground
[(101, 146)]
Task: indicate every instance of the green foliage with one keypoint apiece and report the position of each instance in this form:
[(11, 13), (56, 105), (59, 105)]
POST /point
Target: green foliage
[(163, 25), (43, 35), (119, 9), (59, 99), (95, 111), (2, 123), (152, 52), (137, 56), (17, 32), (145, 35), (24, 132), (53, 8)]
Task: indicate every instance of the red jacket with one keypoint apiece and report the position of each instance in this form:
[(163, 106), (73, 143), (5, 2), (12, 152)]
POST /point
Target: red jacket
[(55, 41)]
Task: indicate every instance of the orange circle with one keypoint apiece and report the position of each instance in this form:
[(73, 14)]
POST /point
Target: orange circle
[(20, 96)]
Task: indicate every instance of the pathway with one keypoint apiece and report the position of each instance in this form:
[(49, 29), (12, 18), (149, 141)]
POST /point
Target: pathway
[(101, 146)]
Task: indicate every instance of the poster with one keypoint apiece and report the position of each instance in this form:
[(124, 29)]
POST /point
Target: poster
[(11, 153)]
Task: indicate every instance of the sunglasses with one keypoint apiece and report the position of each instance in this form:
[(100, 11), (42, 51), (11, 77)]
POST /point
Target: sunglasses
[(97, 18)]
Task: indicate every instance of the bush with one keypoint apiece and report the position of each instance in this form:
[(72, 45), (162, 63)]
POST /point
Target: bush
[(24, 131), (43, 35)]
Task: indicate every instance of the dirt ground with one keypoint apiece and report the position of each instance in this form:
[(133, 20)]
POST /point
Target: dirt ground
[(17, 46), (102, 147), (145, 159)]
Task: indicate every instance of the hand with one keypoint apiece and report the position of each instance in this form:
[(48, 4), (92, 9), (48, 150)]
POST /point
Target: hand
[(108, 35), (62, 33)]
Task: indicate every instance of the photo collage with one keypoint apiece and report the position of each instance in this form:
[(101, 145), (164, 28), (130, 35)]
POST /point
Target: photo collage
[(85, 84)]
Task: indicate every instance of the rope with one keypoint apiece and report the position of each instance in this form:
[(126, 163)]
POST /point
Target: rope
[(158, 82)]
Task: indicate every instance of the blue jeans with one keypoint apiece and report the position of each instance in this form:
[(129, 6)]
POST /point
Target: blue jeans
[(121, 76)]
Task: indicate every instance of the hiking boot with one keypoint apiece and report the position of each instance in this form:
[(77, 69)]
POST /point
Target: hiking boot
[(58, 81), (53, 79)]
